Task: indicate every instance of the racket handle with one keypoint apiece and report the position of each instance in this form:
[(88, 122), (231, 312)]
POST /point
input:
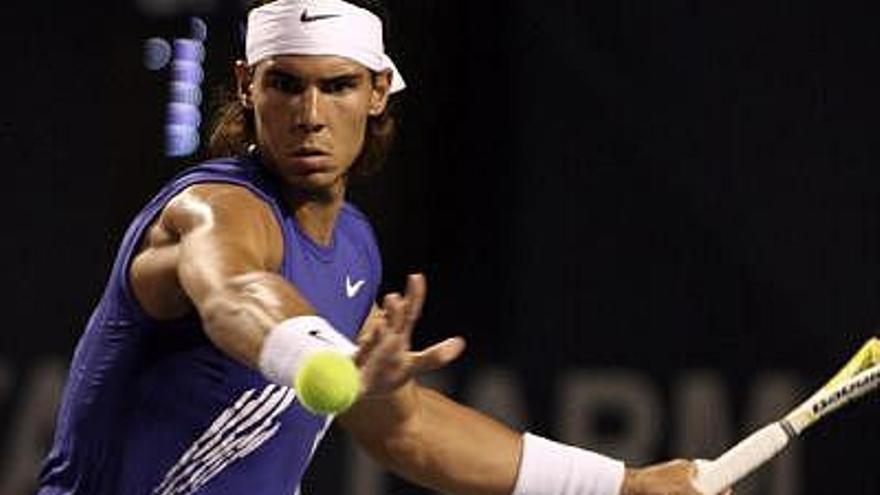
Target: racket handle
[(713, 477)]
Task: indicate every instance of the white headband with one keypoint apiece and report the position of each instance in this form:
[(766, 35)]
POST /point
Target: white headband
[(319, 27)]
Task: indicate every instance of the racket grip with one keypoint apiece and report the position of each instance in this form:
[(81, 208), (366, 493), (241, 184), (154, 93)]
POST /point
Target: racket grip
[(713, 477)]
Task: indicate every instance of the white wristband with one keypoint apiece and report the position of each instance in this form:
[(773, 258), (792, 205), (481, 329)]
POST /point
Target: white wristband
[(289, 343), (552, 468)]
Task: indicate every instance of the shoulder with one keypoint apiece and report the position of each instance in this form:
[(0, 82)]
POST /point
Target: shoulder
[(233, 168), (233, 186), (216, 196), (350, 210), (357, 228), (355, 221), (219, 204)]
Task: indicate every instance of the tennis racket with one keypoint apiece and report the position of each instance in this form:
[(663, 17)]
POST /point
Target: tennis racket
[(858, 377)]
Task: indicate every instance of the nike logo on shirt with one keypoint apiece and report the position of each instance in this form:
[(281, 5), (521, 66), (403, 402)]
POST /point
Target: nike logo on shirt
[(351, 289), (305, 17)]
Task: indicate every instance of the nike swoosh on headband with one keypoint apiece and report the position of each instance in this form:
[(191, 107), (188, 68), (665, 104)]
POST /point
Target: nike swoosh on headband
[(306, 18)]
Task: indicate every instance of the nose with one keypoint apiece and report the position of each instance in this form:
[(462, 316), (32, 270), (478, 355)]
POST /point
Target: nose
[(309, 116)]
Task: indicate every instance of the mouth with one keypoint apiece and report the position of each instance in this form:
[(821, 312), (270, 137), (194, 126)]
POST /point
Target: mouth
[(309, 159), (309, 152)]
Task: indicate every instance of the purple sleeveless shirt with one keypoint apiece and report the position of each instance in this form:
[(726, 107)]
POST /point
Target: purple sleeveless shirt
[(152, 407)]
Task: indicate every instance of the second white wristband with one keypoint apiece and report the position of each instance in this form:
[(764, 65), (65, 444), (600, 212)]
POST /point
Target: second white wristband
[(553, 468)]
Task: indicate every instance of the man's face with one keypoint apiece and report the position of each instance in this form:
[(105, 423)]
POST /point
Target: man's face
[(310, 114)]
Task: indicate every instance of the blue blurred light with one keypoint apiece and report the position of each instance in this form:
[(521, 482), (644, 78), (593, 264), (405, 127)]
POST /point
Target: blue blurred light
[(183, 117), (198, 29), (184, 92), (189, 50), (186, 71), (181, 140), (183, 114), (157, 53)]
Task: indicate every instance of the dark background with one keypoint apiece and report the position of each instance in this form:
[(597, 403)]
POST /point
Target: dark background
[(652, 187)]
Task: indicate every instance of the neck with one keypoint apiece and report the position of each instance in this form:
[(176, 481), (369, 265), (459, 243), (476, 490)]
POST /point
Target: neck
[(316, 211)]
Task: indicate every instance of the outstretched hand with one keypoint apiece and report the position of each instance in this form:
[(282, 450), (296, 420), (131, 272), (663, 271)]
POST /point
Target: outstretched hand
[(385, 357)]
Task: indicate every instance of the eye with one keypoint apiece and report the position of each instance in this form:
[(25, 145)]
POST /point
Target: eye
[(340, 84), (284, 83)]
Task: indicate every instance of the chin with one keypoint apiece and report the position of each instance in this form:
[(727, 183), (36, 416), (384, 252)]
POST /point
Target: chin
[(318, 184), (313, 178)]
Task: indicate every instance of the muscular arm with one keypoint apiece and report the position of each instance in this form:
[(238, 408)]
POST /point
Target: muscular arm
[(216, 247), (434, 441)]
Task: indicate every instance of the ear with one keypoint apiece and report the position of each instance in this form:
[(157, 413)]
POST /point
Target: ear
[(380, 92), (244, 83)]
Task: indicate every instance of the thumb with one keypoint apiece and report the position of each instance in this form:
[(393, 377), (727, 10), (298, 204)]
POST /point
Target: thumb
[(438, 355)]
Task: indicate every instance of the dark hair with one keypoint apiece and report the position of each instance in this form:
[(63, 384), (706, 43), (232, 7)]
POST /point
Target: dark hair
[(233, 130)]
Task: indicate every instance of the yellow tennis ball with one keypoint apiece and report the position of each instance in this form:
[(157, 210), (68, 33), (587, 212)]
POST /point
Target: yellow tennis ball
[(328, 382)]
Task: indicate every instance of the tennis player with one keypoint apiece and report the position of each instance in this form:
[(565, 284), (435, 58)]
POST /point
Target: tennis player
[(182, 381)]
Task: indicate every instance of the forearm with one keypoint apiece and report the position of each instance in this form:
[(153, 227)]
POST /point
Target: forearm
[(433, 441), (238, 314)]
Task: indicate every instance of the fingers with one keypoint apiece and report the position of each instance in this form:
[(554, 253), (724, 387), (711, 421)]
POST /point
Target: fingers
[(404, 311), (688, 470), (367, 342), (390, 352), (383, 366), (438, 355), (385, 358), (368, 337), (668, 478), (680, 472), (384, 343), (396, 308), (692, 467), (416, 289), (693, 472)]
